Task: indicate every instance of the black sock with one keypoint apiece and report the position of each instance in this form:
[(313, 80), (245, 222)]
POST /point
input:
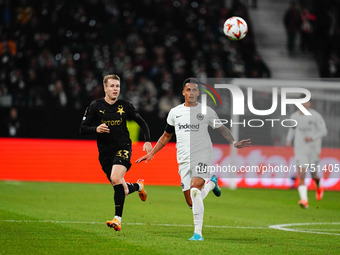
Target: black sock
[(132, 187), (119, 198), (317, 182)]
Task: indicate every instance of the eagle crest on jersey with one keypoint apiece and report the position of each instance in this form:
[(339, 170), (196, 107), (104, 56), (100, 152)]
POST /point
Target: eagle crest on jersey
[(200, 116)]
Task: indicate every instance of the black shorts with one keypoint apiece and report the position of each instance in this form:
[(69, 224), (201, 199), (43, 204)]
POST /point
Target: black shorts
[(121, 156)]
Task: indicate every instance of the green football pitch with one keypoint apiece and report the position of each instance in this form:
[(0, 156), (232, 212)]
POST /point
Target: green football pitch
[(69, 218)]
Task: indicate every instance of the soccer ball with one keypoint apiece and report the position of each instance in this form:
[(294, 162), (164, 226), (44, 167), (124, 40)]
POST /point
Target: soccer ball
[(235, 28)]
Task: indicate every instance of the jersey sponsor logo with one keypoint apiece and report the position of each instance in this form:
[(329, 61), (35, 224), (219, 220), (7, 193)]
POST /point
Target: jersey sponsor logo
[(102, 111), (178, 116), (200, 116), (189, 127), (120, 109), (112, 122)]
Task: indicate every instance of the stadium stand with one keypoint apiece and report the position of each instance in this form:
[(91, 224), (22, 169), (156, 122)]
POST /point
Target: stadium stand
[(53, 55), (56, 52)]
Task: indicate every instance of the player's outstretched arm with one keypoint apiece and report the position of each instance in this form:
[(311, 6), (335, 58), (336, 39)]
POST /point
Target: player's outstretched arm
[(162, 141), (134, 115), (243, 143), (147, 147), (225, 132)]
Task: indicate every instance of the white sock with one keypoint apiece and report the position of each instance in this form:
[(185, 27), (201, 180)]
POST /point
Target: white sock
[(118, 218), (140, 186), (303, 192), (207, 188), (197, 209)]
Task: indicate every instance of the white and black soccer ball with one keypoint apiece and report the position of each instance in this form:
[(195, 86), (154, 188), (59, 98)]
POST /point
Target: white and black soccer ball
[(235, 28)]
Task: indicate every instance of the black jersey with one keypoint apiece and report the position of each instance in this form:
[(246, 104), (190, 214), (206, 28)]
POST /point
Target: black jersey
[(114, 116)]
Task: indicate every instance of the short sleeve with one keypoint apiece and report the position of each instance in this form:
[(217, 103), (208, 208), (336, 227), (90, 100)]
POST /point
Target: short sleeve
[(212, 115), (170, 120)]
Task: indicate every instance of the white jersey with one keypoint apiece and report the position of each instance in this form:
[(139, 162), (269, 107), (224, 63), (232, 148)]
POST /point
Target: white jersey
[(191, 128), (307, 126)]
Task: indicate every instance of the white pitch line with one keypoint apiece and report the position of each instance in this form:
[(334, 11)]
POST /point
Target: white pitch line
[(321, 229), (127, 223), (285, 227)]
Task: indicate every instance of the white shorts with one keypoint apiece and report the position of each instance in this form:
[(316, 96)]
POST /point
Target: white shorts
[(188, 170), (307, 159)]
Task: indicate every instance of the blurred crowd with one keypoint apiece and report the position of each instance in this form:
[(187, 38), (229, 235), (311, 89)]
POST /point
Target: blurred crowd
[(317, 25), (55, 53)]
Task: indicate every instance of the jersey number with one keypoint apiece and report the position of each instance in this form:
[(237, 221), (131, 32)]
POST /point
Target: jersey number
[(201, 168), (123, 154)]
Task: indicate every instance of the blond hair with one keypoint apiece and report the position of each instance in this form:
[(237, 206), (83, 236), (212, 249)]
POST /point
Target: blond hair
[(110, 76)]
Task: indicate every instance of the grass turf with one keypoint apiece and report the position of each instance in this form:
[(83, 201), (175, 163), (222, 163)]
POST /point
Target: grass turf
[(68, 218)]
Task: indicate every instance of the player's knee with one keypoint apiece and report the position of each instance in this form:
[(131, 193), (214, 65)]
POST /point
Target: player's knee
[(115, 180), (198, 184)]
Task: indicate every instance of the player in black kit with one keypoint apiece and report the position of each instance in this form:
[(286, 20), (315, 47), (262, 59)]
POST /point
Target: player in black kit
[(107, 117)]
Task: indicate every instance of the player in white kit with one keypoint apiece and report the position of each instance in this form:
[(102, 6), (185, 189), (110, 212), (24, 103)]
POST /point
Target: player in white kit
[(307, 147), (194, 150)]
